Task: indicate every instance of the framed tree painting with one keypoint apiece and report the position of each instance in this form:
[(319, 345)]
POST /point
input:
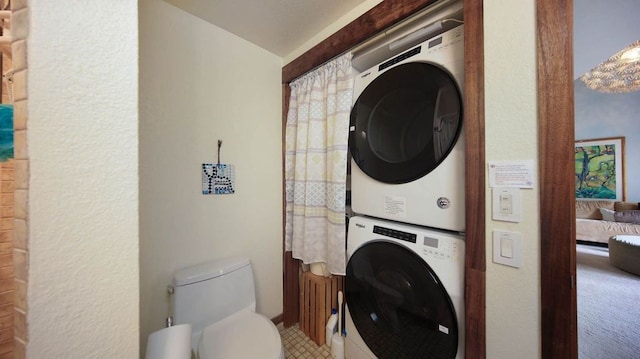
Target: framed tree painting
[(599, 168)]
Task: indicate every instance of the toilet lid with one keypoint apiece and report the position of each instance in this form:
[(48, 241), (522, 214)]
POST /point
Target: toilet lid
[(243, 335)]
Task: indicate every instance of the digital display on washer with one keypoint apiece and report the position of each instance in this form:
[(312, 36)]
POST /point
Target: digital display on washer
[(404, 236), (435, 42), (431, 242)]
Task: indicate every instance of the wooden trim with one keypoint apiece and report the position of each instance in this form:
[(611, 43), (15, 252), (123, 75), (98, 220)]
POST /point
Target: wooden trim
[(277, 319), (290, 266), (291, 290), (377, 19), (380, 17), (556, 136), (474, 121)]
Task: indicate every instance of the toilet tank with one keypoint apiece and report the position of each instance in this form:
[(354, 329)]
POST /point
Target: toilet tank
[(209, 292)]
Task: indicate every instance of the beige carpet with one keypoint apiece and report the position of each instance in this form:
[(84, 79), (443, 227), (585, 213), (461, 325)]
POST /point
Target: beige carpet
[(608, 307)]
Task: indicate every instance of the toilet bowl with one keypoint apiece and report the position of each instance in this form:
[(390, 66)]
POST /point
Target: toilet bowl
[(218, 300), (242, 335)]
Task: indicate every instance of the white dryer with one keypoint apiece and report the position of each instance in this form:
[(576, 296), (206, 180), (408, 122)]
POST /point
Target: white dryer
[(404, 291), (406, 135)]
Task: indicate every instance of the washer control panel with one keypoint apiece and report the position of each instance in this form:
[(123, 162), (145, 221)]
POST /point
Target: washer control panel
[(430, 246), (439, 249), (393, 233)]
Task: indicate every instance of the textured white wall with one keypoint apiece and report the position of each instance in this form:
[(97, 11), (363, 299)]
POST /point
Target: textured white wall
[(198, 84), (83, 189), (513, 295)]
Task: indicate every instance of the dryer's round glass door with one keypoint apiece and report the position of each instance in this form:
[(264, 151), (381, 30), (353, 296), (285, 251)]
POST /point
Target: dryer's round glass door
[(398, 305), (405, 122)]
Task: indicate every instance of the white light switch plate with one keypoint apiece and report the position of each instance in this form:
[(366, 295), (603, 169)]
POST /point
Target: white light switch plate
[(507, 248), (506, 204)]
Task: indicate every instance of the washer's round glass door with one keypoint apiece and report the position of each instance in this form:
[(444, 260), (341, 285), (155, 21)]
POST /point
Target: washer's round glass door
[(398, 305), (405, 122)]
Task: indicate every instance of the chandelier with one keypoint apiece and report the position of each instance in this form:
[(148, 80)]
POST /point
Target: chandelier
[(620, 73)]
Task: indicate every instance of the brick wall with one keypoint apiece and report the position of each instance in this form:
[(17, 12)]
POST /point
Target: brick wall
[(19, 30), (6, 259)]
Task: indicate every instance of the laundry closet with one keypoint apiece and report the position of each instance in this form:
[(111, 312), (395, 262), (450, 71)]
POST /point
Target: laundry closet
[(404, 285)]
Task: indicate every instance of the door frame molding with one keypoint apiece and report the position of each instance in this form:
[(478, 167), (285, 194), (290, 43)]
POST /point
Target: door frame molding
[(556, 137)]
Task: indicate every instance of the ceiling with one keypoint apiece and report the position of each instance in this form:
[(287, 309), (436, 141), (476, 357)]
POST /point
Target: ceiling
[(282, 26), (279, 26)]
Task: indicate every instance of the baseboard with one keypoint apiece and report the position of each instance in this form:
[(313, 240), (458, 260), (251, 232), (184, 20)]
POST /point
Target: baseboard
[(278, 319)]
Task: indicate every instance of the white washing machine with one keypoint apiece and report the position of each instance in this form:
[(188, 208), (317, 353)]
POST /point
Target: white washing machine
[(406, 135), (404, 291)]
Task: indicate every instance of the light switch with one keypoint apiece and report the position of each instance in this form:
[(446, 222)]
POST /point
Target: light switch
[(506, 204), (507, 248)]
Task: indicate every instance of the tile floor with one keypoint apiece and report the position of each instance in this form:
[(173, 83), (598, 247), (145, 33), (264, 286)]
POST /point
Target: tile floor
[(298, 346)]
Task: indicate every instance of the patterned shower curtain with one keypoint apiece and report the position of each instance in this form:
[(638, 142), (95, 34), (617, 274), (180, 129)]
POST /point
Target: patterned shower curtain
[(316, 164)]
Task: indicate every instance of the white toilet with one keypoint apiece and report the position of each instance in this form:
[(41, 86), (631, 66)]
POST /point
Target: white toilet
[(218, 300)]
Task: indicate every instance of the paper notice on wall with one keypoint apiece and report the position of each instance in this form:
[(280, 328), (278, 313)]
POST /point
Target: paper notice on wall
[(518, 174)]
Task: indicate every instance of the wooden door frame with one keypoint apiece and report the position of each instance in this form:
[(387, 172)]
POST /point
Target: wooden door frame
[(554, 30), (556, 136)]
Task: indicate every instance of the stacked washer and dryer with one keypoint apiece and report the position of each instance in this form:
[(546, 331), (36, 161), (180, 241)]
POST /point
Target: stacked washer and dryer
[(405, 245)]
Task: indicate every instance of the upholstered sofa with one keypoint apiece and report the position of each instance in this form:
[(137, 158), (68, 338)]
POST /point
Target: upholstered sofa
[(598, 220)]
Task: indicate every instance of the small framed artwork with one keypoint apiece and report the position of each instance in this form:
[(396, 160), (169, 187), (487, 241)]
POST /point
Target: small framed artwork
[(599, 169), (218, 178)]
